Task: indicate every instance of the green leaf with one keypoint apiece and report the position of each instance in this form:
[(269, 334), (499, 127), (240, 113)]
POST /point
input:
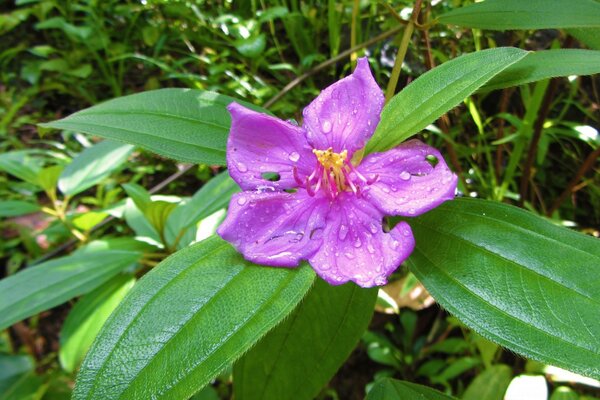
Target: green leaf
[(44, 286), (590, 37), (157, 213), (313, 343), (514, 278), (253, 46), (211, 197), (139, 195), (184, 124), (437, 91), (530, 14), (491, 384), (48, 177), (391, 389), (87, 317), (92, 165), (11, 368), (186, 320), (545, 64), (14, 208), (22, 164)]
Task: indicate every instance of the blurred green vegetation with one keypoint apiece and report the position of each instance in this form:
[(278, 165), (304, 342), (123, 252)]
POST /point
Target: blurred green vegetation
[(60, 56)]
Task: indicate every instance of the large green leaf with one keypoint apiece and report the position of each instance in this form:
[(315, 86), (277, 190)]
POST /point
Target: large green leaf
[(491, 384), (392, 389), (529, 14), (14, 208), (515, 278), (185, 321), (184, 124), (44, 286), (312, 343), (87, 317), (437, 91), (92, 165), (545, 64)]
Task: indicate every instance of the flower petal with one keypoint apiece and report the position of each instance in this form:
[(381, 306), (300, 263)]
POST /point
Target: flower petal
[(407, 183), (345, 114), (275, 228), (260, 144), (355, 248)]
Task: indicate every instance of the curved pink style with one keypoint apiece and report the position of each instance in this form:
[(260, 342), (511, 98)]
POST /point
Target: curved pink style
[(304, 199)]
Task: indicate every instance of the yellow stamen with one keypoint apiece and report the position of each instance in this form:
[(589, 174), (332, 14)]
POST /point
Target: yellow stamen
[(333, 164)]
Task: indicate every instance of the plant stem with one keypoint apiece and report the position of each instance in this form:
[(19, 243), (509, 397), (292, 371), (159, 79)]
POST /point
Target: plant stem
[(406, 36), (354, 29)]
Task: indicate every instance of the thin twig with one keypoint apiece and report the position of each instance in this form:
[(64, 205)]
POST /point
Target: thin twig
[(585, 167), (504, 100), (329, 62), (538, 128)]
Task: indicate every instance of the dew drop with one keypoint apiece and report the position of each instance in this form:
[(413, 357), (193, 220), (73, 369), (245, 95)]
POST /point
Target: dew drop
[(370, 248), (357, 243), (343, 232), (325, 267), (326, 126), (380, 281), (405, 232), (241, 167), (395, 244), (241, 201), (405, 175), (385, 189), (412, 211), (373, 228), (294, 156), (349, 255)]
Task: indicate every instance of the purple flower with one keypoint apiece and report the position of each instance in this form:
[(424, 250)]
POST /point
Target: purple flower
[(324, 206)]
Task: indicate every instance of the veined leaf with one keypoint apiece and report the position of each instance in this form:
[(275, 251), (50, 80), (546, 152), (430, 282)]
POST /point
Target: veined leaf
[(313, 343), (184, 124), (530, 14), (92, 165), (185, 321), (437, 91), (514, 278), (44, 286), (545, 64), (392, 389)]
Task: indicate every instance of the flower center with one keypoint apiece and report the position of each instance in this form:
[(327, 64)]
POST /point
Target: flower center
[(333, 174)]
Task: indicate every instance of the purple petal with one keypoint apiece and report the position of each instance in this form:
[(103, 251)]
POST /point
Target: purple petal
[(344, 115), (275, 228), (355, 248), (407, 183), (260, 144)]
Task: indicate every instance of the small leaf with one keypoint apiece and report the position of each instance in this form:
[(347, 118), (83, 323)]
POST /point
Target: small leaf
[(491, 384), (545, 64), (87, 317), (139, 195), (44, 286), (530, 14), (15, 208), (391, 389), (515, 279), (184, 124), (437, 91), (185, 321), (313, 343), (253, 46), (22, 164), (92, 165), (157, 213), (48, 177)]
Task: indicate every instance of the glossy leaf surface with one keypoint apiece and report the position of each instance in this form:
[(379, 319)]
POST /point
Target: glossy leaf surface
[(547, 64), (514, 278), (184, 124), (92, 165), (490, 384), (297, 358), (436, 92), (392, 389), (530, 14), (186, 320), (44, 286)]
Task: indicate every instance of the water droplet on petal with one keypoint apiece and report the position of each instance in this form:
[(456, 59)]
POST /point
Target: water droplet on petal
[(395, 244), (380, 281), (357, 243), (294, 156), (373, 227), (349, 255), (370, 248), (241, 167), (412, 211), (405, 175), (343, 232), (241, 201), (326, 126), (325, 267)]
